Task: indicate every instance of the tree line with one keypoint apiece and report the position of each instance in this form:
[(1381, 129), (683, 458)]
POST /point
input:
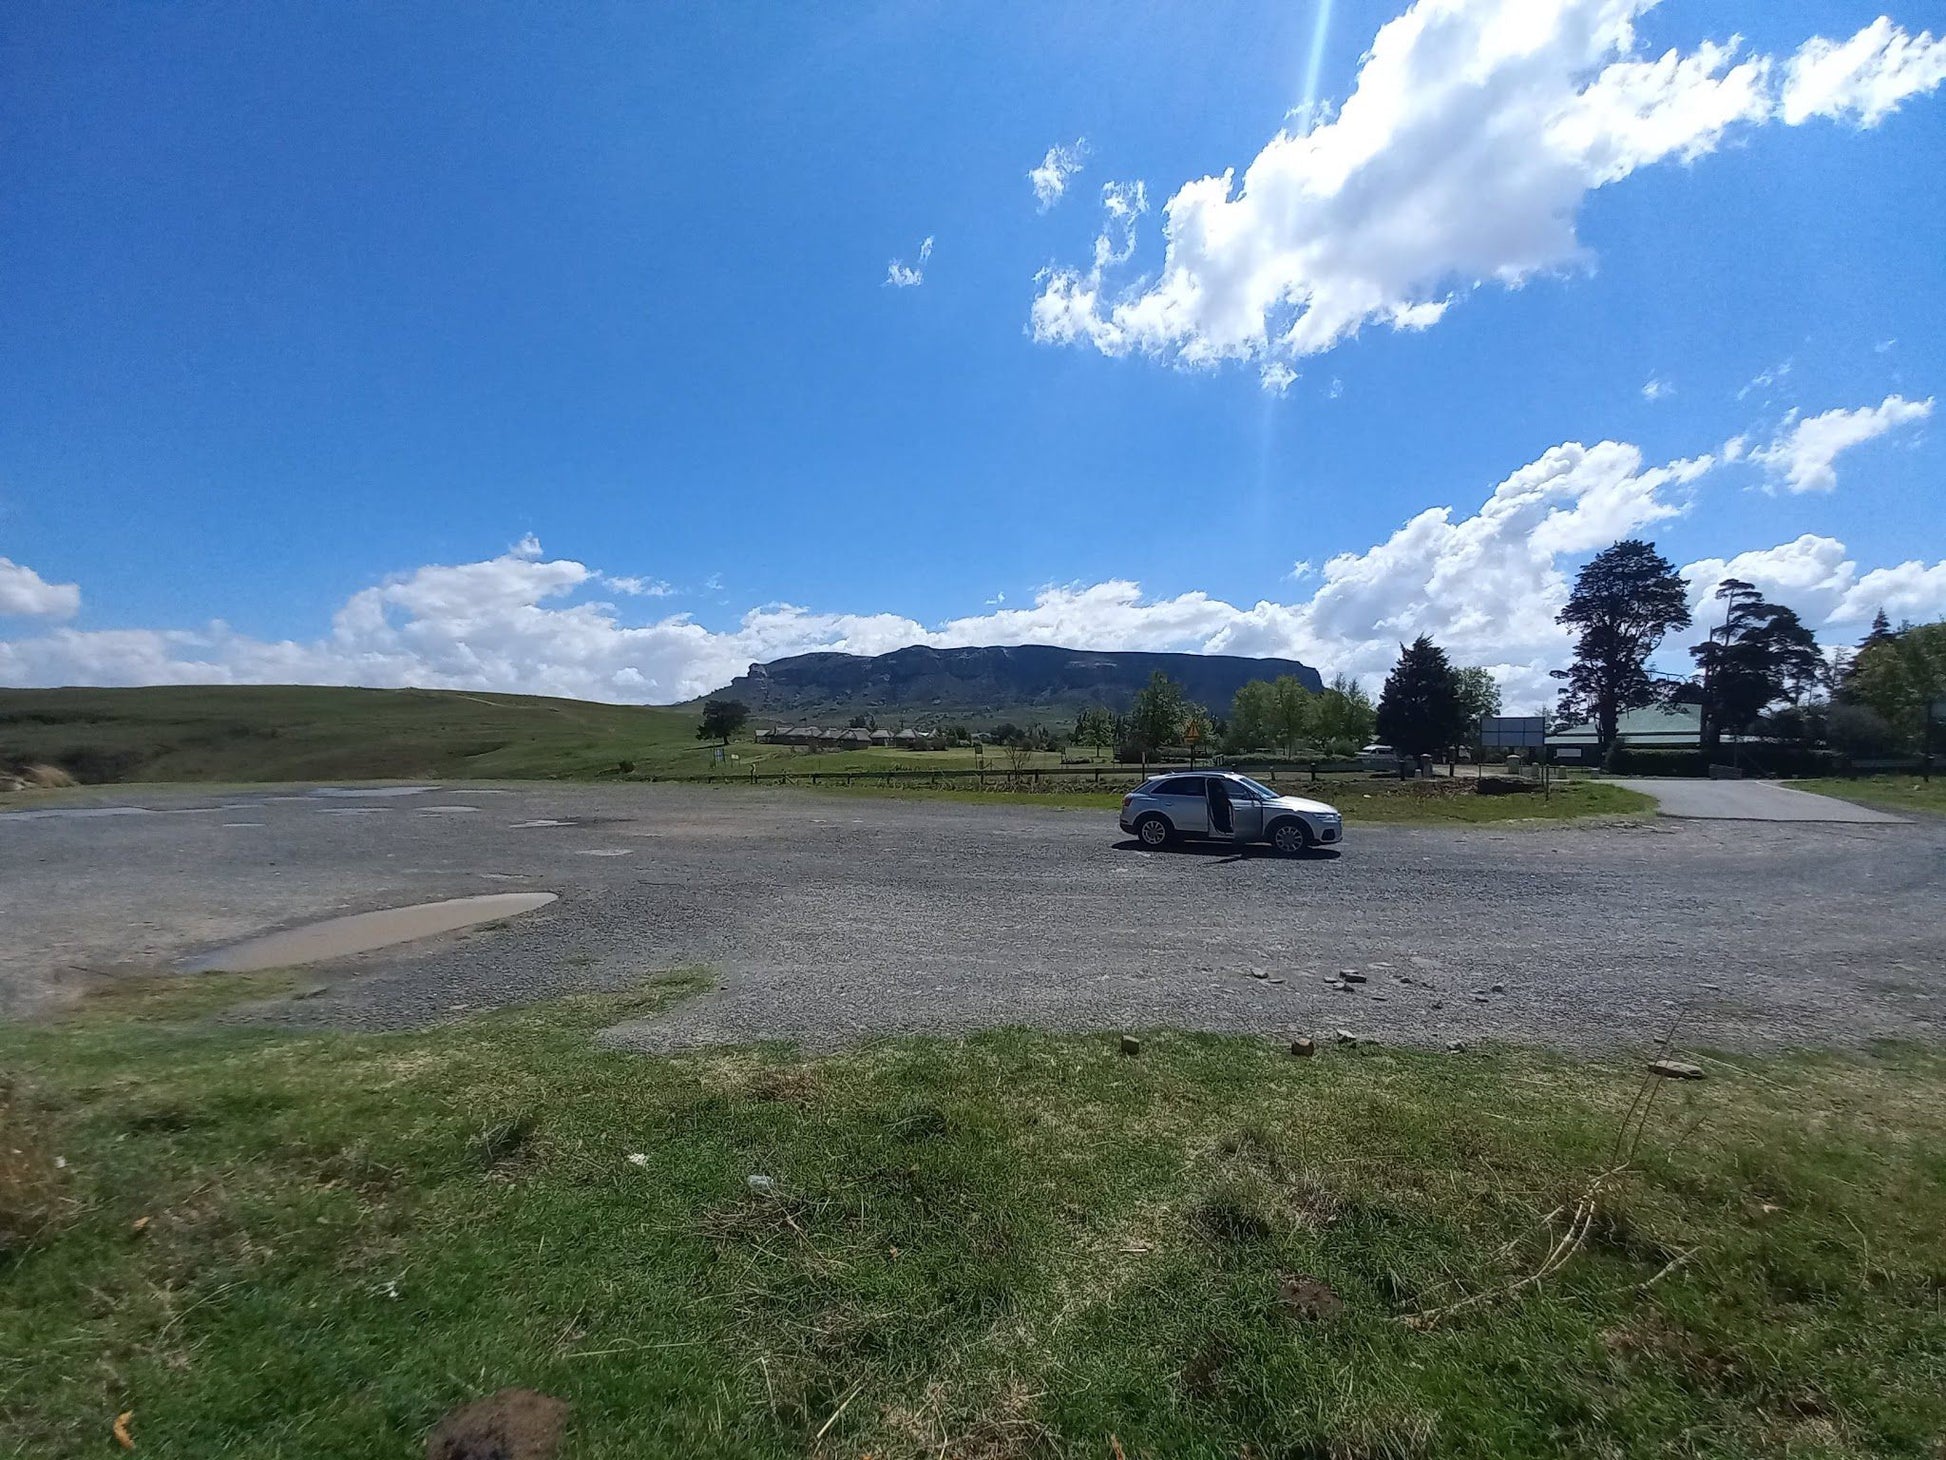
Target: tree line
[(1758, 670)]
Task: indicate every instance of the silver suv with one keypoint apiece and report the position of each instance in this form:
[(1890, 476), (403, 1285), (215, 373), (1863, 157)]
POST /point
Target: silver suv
[(1224, 806)]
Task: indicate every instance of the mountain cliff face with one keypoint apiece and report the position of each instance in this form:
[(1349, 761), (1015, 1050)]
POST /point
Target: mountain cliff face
[(1021, 682)]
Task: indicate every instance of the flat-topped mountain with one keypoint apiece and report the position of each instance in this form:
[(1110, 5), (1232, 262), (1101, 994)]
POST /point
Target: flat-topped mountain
[(1032, 681)]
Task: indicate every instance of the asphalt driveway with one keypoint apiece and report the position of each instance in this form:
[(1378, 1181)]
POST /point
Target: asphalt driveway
[(1751, 801)]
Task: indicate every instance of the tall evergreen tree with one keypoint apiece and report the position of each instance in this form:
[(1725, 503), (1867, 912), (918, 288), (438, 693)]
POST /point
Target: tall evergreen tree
[(1625, 599), (1879, 633), (1419, 710), (1761, 654)]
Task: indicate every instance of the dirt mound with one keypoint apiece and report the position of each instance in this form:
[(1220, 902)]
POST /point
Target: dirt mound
[(515, 1424), (17, 777)]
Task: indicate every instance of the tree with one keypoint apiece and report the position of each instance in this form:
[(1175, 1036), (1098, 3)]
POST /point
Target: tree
[(1290, 711), (1343, 718), (1479, 697), (1879, 633), (1419, 711), (1902, 678), (1252, 714), (1761, 654), (1625, 599), (722, 719), (1094, 726), (1007, 733), (864, 722), (1155, 719)]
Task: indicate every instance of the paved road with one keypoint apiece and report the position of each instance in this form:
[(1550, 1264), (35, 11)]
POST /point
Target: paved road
[(1752, 801), (830, 918)]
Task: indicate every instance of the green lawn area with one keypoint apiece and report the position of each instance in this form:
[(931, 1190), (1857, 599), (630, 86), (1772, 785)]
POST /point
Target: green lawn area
[(1892, 793), (276, 1245)]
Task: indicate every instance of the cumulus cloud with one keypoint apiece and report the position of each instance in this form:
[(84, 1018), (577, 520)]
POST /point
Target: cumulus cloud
[(899, 275), (24, 593), (1863, 79), (1473, 132), (1817, 577), (1050, 179), (1486, 585), (1804, 455)]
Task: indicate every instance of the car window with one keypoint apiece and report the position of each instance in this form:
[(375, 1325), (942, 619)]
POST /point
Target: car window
[(1181, 786), (1240, 789)]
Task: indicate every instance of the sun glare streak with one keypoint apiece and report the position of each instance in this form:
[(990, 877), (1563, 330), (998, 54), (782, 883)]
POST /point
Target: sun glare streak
[(1315, 66)]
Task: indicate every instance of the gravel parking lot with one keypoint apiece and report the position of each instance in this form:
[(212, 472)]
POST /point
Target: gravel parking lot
[(828, 918)]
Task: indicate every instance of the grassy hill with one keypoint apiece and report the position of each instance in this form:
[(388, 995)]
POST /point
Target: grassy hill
[(303, 732)]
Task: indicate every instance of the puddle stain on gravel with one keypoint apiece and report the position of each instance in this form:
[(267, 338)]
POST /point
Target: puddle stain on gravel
[(363, 932)]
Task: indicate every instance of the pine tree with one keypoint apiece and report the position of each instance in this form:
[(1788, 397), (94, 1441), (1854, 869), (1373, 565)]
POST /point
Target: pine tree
[(1625, 599), (1419, 710)]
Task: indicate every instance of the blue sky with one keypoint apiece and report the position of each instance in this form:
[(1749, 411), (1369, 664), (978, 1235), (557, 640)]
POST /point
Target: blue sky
[(560, 348)]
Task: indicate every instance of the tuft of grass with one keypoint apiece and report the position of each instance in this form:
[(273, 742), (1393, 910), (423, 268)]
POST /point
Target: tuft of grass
[(281, 1244)]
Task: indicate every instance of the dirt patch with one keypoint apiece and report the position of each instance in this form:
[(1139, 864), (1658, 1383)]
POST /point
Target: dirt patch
[(1308, 1299), (363, 932), (515, 1424)]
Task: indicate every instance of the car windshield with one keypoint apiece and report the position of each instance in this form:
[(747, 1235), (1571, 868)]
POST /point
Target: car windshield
[(1257, 788)]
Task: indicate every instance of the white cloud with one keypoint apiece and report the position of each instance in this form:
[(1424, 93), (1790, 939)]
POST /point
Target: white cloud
[(1817, 577), (1473, 132), (899, 275), (25, 593), (638, 587), (1486, 585), (1051, 178), (1276, 377), (1301, 569), (1864, 78), (1804, 454), (1656, 388), (1765, 379)]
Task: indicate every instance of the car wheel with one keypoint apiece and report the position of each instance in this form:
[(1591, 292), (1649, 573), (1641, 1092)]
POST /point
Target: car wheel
[(1289, 838), (1153, 831)]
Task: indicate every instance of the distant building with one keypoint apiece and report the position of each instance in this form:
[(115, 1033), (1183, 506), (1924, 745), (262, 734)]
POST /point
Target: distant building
[(1658, 727)]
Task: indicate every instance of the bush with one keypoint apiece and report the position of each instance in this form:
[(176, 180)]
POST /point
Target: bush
[(1859, 730), (1626, 760), (1761, 760)]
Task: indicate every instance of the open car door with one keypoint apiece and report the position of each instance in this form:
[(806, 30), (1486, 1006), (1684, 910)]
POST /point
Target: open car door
[(1234, 814)]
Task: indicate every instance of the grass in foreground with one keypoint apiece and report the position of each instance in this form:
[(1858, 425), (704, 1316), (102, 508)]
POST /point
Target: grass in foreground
[(276, 1245), (1892, 793)]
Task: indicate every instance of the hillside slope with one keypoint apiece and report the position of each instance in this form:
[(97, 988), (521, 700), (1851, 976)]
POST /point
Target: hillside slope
[(303, 732), (1031, 681)]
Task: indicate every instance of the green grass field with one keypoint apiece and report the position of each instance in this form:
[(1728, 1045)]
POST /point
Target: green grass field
[(275, 1245), (242, 734), (1890, 793)]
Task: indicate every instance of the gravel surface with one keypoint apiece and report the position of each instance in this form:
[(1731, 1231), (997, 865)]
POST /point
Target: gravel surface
[(826, 918)]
